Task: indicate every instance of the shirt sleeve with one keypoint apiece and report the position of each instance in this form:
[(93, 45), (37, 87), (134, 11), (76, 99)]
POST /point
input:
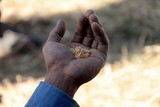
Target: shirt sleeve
[(47, 95)]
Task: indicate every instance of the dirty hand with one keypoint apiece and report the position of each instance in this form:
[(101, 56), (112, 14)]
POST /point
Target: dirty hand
[(67, 72)]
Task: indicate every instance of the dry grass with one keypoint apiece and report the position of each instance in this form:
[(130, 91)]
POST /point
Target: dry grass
[(16, 95), (126, 83)]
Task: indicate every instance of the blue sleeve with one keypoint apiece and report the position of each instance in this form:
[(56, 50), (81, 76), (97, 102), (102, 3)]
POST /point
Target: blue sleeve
[(47, 95)]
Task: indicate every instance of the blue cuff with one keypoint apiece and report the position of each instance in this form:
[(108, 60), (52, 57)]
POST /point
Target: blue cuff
[(47, 95)]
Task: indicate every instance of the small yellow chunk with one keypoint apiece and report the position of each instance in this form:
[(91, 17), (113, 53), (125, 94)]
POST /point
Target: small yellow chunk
[(80, 52)]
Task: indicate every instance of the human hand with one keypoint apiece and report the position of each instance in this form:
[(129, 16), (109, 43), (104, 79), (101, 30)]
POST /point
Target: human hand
[(64, 70)]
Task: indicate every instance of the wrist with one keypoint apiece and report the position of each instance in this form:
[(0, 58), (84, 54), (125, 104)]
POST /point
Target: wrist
[(62, 82)]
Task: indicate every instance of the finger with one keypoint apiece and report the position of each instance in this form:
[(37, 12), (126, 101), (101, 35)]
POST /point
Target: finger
[(100, 35), (94, 44), (80, 30), (58, 31), (94, 18), (88, 40), (88, 13), (89, 35)]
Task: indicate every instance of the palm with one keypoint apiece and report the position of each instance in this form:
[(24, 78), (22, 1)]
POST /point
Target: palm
[(86, 67), (81, 70)]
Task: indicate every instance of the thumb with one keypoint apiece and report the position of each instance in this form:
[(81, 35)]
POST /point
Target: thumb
[(58, 31)]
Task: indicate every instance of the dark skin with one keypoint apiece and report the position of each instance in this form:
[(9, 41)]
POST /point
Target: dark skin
[(64, 70)]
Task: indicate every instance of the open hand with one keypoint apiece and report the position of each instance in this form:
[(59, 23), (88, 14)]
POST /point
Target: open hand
[(64, 70)]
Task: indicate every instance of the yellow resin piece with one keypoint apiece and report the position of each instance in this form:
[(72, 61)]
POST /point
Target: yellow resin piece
[(80, 52)]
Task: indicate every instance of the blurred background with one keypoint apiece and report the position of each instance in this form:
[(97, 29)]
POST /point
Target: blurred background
[(131, 76)]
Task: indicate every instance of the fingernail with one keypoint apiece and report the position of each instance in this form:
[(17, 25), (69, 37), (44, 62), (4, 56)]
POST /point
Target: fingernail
[(89, 12)]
